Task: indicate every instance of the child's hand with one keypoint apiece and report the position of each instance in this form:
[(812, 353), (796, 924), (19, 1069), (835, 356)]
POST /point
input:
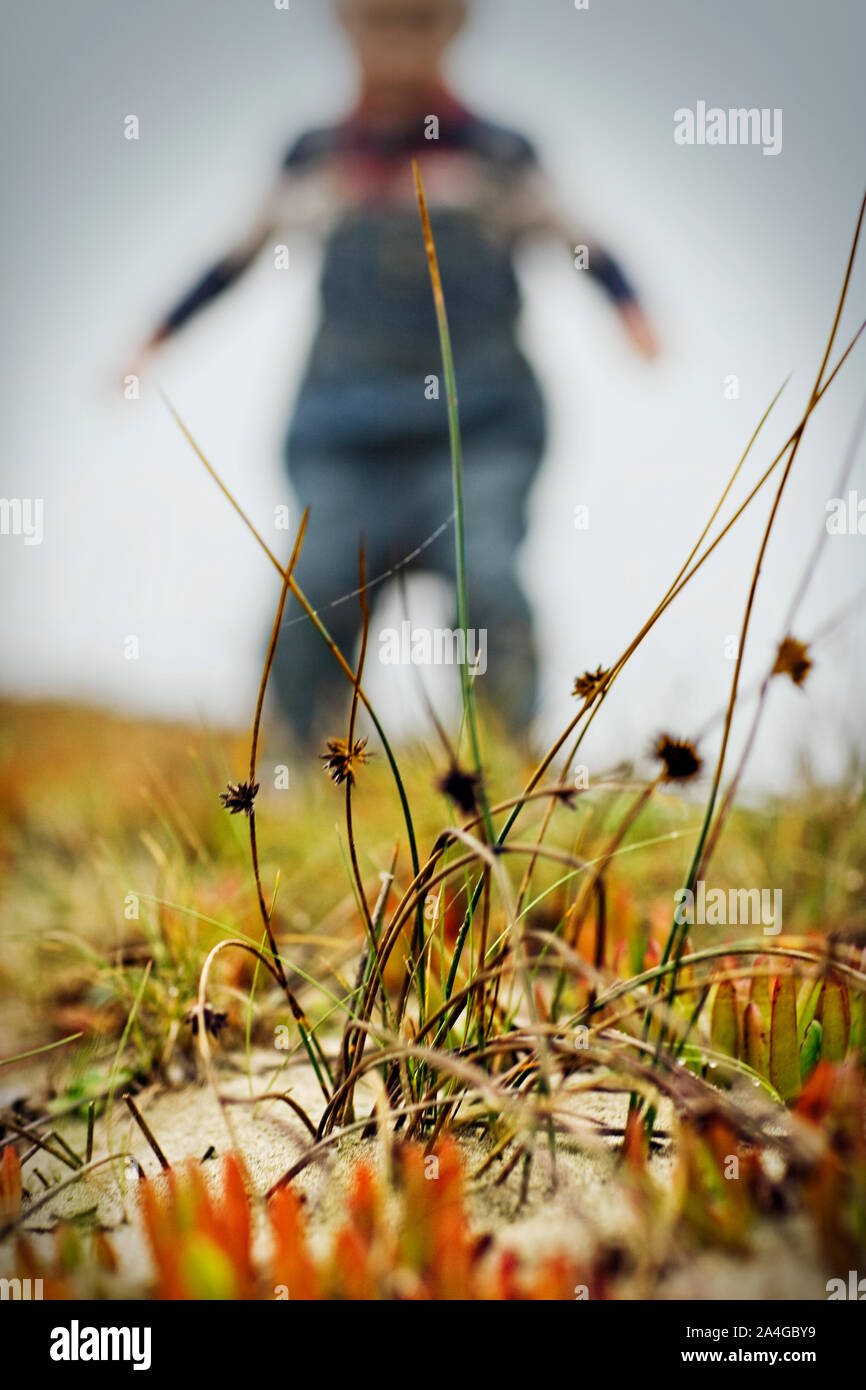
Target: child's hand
[(142, 359), (638, 328)]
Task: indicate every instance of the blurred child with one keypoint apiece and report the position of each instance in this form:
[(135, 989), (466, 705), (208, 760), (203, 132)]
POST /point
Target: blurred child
[(368, 446)]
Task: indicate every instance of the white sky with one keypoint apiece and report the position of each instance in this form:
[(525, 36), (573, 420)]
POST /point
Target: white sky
[(740, 257)]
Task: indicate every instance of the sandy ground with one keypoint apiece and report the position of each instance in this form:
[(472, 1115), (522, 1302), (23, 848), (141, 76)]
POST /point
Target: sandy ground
[(564, 1211)]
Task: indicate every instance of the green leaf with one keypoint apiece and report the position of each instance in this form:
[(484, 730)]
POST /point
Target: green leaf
[(834, 1012), (755, 1039), (808, 1005), (637, 948), (35, 1051), (759, 990), (207, 1270), (723, 1020), (784, 1050), (810, 1051)]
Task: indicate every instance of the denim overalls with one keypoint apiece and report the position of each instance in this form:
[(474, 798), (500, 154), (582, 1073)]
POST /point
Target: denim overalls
[(368, 447)]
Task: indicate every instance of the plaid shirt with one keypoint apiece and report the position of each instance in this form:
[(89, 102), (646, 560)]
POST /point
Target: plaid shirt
[(377, 340)]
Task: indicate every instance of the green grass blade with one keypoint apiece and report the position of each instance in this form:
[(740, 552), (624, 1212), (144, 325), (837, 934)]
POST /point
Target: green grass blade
[(723, 1020), (784, 1050)]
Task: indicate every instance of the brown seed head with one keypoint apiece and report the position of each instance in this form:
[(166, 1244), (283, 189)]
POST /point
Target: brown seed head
[(339, 761), (239, 797), (792, 659), (215, 1020), (590, 684), (680, 758), (461, 787)]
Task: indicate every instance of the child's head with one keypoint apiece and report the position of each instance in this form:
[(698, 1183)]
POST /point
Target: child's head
[(400, 43)]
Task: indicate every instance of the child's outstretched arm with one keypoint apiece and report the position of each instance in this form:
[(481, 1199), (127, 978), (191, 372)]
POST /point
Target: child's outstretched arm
[(301, 197), (608, 273), (220, 276), (536, 211), (295, 200)]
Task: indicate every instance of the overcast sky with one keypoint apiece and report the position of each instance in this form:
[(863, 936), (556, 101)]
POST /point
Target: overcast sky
[(739, 256)]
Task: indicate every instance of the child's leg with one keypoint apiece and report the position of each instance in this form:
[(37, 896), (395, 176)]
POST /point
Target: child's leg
[(496, 484), (311, 689), (353, 495)]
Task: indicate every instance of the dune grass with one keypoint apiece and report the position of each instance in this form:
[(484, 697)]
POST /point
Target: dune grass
[(482, 938)]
